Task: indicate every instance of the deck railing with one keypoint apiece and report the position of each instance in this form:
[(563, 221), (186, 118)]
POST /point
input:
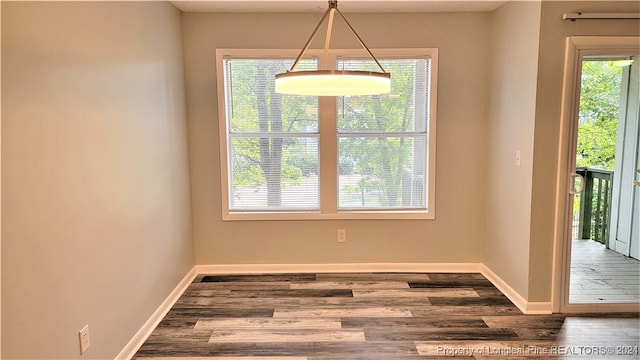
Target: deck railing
[(595, 204)]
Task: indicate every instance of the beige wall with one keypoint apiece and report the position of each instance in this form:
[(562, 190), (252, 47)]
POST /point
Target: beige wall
[(553, 33), (515, 29), (526, 85), (96, 224), (456, 236)]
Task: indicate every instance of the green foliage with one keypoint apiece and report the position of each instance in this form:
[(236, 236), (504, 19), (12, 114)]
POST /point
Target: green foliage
[(304, 161), (597, 144), (381, 159), (345, 166), (256, 108), (599, 106)]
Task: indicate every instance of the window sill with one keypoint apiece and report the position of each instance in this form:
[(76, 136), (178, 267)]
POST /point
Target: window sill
[(342, 215)]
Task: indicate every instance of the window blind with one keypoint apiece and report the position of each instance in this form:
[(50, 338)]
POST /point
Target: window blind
[(272, 139)]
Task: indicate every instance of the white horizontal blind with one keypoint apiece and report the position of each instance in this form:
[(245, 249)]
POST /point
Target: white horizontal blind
[(272, 139), (383, 139)]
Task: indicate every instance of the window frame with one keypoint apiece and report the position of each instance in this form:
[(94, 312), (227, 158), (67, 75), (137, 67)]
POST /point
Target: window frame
[(328, 141)]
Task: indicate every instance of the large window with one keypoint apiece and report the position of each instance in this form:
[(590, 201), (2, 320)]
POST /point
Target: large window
[(306, 157)]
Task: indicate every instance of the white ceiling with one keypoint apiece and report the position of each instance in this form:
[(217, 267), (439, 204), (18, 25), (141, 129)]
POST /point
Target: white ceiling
[(354, 6)]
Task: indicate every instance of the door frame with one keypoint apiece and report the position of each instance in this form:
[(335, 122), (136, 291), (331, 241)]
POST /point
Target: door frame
[(628, 133), (576, 48)]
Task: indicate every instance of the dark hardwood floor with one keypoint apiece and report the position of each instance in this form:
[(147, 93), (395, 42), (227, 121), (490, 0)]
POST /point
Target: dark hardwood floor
[(369, 316)]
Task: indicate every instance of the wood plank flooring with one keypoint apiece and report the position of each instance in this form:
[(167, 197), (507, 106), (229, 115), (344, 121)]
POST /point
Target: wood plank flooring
[(373, 316), (601, 275)]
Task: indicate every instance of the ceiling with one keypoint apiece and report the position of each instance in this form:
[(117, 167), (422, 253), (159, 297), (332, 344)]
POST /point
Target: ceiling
[(354, 6)]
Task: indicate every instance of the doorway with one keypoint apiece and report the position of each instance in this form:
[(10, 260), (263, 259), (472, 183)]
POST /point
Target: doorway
[(601, 270)]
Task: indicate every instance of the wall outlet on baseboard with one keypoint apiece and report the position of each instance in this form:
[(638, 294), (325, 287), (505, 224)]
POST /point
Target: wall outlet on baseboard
[(85, 341)]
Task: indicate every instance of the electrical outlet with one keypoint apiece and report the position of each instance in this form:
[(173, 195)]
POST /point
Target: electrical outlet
[(342, 235), (85, 341)]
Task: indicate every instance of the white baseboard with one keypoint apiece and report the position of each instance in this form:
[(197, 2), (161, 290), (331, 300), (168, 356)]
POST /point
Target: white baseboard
[(539, 307), (334, 268), (141, 336), (522, 304)]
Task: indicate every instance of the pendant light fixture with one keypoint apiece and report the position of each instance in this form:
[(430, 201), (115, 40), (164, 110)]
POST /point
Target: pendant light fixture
[(326, 82)]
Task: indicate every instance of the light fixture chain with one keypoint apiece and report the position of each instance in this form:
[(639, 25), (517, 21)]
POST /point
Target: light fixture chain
[(313, 35), (327, 40), (359, 39)]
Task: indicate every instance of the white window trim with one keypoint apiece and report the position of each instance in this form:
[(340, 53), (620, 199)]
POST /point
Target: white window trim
[(328, 144)]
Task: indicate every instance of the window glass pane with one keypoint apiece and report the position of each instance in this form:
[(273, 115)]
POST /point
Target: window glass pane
[(404, 109), (263, 178), (272, 139), (382, 172), (254, 106), (383, 139)]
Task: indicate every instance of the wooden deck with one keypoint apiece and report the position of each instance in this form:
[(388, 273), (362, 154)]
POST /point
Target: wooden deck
[(390, 316), (600, 275)]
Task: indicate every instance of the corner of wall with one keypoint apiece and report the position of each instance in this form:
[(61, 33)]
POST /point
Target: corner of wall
[(512, 109), (518, 300), (152, 322)]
